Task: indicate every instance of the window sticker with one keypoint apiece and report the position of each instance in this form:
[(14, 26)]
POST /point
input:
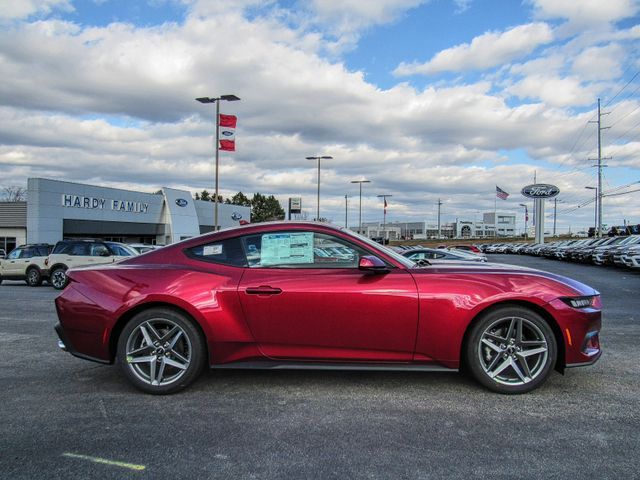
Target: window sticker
[(286, 248), (212, 250)]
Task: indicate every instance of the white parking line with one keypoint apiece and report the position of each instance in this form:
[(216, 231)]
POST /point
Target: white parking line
[(104, 461)]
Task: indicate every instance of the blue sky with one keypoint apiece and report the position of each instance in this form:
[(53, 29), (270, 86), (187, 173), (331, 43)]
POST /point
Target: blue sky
[(427, 99)]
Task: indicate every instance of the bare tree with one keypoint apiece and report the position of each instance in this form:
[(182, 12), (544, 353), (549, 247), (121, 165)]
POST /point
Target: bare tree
[(14, 194)]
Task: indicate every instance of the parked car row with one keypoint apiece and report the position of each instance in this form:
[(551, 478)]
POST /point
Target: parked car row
[(618, 251), (36, 263), (458, 253)]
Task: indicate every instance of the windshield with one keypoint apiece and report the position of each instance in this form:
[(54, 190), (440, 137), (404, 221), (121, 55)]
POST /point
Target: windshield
[(388, 251)]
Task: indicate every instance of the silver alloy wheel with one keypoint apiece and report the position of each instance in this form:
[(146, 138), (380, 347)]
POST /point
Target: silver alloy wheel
[(158, 352), (513, 351), (58, 279), (33, 277)]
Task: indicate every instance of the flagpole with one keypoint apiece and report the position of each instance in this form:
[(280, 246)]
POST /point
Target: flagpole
[(495, 215), (216, 100), (215, 208)]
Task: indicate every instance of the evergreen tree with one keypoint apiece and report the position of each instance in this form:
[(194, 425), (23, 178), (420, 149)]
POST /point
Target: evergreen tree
[(264, 209)]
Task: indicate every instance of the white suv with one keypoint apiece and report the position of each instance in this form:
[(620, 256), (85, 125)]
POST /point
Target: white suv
[(74, 253), (26, 262)]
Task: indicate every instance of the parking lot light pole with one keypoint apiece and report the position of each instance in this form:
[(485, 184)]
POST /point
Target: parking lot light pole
[(325, 157), (360, 182), (216, 100), (596, 233), (526, 234)]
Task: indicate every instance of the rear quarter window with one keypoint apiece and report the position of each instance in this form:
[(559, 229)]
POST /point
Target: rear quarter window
[(223, 252)]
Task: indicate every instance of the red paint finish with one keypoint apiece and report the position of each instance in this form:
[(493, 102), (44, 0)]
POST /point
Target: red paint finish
[(401, 314), (333, 314)]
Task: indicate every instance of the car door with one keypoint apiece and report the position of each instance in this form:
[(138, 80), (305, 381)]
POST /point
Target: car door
[(12, 265), (304, 299)]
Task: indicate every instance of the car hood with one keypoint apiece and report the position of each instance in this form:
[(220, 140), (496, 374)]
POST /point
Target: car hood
[(567, 286)]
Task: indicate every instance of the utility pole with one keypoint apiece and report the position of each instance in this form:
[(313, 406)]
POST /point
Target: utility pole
[(599, 165), (439, 232)]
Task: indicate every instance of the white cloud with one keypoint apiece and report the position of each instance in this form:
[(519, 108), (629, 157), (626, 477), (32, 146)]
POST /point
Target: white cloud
[(554, 91), (584, 12), (600, 63), (356, 14), (485, 51), (18, 9)]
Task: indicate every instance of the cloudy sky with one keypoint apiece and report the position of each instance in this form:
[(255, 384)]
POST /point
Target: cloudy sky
[(428, 99)]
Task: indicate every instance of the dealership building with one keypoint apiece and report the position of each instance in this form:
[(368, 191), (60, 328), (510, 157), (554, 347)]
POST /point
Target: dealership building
[(56, 210)]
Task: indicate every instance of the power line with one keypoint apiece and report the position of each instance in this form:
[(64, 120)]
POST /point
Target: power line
[(620, 91)]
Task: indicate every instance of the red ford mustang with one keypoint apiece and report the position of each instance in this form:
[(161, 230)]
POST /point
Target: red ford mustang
[(310, 295)]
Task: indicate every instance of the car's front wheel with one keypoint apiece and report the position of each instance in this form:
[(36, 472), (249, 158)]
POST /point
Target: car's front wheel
[(58, 278), (161, 351), (511, 350), (34, 278)]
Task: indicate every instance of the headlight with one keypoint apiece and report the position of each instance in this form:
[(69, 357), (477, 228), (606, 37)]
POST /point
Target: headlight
[(579, 302)]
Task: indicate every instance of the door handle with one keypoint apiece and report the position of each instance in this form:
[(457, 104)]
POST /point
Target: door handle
[(263, 290)]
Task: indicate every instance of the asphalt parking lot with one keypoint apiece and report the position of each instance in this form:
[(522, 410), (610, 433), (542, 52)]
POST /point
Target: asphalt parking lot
[(62, 417)]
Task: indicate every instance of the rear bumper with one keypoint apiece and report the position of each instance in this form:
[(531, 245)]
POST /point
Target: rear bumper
[(65, 344)]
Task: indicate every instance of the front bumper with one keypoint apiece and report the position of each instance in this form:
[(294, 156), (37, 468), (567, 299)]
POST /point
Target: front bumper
[(580, 328)]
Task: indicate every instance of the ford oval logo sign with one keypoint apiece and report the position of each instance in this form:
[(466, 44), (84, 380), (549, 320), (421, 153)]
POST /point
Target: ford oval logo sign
[(226, 133), (540, 190), (181, 202), (236, 216)]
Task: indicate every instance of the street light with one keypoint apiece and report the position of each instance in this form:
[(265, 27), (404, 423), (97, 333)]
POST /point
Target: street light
[(596, 233), (526, 218), (360, 182), (216, 100), (346, 211), (326, 157)]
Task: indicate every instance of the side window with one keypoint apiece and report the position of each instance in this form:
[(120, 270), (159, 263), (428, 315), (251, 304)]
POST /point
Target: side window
[(99, 250), (300, 250), (225, 252), (119, 250), (27, 252), (78, 249), (62, 247), (15, 254)]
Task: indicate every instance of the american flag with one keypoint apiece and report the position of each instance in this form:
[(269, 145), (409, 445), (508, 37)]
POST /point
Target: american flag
[(501, 194)]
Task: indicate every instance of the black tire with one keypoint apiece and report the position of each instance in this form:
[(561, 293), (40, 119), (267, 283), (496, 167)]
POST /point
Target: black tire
[(176, 341), (34, 278), (511, 350), (58, 278)]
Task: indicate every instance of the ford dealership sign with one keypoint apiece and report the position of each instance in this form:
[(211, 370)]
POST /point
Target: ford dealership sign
[(236, 216), (540, 190), (181, 202)]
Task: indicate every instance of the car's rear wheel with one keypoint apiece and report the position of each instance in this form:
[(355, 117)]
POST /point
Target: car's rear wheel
[(34, 278), (58, 278), (161, 351), (511, 350)]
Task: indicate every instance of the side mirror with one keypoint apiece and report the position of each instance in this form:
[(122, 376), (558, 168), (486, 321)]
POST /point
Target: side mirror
[(371, 263)]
